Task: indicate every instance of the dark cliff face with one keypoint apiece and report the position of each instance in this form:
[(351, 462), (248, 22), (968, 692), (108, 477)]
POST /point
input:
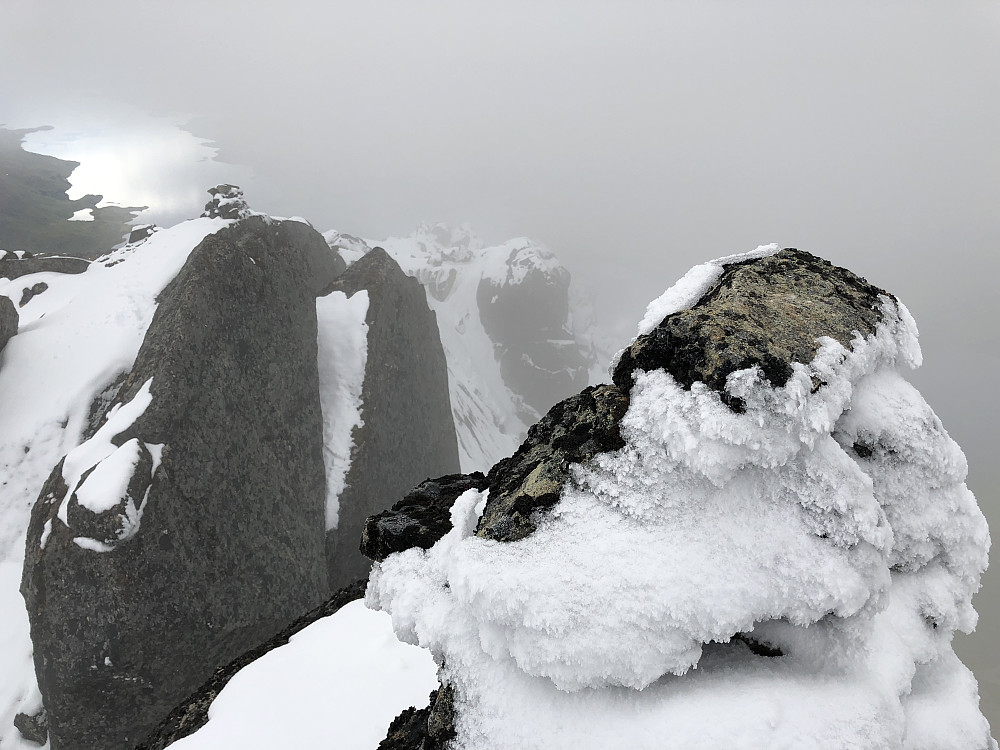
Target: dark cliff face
[(230, 544), (526, 315), (408, 432)]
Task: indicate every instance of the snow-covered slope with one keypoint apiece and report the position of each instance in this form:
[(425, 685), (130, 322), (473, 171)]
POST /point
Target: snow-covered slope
[(491, 417)]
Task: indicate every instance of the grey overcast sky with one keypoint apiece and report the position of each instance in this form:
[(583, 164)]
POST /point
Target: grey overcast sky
[(634, 138)]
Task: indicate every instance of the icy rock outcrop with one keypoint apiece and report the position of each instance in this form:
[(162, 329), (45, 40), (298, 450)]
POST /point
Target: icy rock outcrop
[(190, 525), (407, 430), (767, 543), (8, 320)]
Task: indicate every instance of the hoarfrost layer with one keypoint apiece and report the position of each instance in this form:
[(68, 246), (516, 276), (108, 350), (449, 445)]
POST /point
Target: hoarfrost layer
[(832, 526)]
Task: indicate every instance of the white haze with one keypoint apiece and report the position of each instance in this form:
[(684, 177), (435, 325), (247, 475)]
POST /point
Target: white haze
[(635, 139)]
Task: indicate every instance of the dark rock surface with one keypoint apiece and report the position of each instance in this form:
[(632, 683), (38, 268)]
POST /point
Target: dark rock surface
[(419, 519), (230, 546), (766, 312), (12, 267), (573, 431), (192, 714), (35, 209), (30, 292), (141, 232), (34, 728), (408, 430), (427, 728), (527, 317), (8, 320)]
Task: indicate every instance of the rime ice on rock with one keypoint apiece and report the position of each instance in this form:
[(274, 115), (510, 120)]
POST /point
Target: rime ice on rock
[(776, 553)]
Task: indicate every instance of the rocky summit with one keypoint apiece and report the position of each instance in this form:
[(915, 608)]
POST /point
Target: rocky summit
[(768, 312), (749, 520)]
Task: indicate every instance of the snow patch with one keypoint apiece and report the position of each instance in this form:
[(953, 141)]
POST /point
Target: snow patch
[(342, 358), (84, 214), (338, 683)]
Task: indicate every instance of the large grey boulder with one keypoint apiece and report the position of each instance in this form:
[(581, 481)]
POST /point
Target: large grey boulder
[(408, 432), (217, 542), (8, 320)]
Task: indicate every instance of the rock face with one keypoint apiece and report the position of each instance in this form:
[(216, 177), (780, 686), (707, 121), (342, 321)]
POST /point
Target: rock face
[(192, 526), (530, 481), (760, 495), (525, 310), (419, 519), (767, 312), (408, 432), (8, 320)]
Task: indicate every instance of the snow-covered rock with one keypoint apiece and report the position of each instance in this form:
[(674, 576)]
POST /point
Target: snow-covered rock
[(213, 425), (507, 327), (189, 525), (769, 543)]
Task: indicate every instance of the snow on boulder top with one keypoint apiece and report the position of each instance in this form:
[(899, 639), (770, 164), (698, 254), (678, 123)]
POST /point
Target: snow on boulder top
[(759, 536)]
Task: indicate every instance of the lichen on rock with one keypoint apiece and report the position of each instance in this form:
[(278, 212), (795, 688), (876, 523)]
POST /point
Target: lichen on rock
[(765, 312)]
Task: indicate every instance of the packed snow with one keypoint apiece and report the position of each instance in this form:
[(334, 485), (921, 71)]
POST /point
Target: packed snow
[(338, 683), (832, 527), (342, 358)]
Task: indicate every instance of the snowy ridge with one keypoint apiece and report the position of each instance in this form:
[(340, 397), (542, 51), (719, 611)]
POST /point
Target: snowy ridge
[(832, 527)]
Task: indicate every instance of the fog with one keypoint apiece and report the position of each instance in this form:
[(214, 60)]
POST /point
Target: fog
[(635, 139)]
